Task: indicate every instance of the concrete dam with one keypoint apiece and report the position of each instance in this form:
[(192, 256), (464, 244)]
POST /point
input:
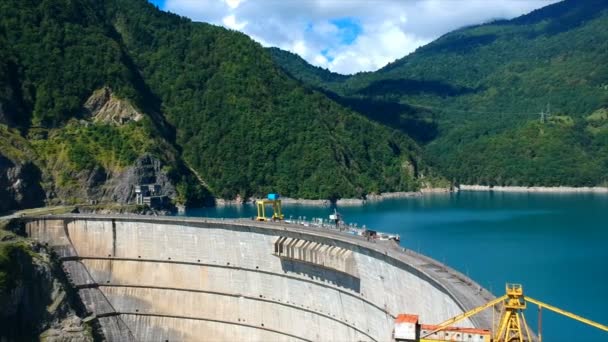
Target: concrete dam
[(191, 279)]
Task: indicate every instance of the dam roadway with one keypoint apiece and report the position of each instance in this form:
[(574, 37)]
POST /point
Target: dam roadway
[(192, 279)]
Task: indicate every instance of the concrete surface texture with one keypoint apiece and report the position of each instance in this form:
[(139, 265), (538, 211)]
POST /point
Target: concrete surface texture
[(185, 279)]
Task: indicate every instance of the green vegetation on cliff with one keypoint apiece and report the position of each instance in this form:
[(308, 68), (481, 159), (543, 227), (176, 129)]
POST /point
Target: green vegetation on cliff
[(10, 270), (84, 147), (481, 87)]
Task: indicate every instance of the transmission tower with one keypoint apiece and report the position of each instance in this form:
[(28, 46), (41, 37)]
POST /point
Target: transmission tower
[(545, 113)]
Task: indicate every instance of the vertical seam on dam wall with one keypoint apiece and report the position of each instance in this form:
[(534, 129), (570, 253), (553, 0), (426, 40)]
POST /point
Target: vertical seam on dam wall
[(155, 261), (263, 299), (113, 237), (66, 232)]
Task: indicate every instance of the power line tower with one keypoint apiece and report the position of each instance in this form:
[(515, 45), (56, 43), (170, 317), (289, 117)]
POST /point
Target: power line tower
[(545, 113)]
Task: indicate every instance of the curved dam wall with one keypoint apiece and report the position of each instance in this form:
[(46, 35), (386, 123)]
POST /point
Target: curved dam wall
[(182, 279)]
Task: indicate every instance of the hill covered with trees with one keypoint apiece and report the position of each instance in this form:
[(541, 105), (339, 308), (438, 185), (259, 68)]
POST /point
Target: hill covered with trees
[(476, 94), (87, 88)]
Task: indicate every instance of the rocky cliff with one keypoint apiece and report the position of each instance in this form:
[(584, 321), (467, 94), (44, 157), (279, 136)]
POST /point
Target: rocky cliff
[(146, 170), (19, 185), (104, 106), (35, 300), (98, 158), (98, 185)]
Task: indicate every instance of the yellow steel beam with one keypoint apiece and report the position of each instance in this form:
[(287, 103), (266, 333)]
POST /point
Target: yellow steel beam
[(510, 320), (527, 329), (467, 314), (567, 314), (276, 209)]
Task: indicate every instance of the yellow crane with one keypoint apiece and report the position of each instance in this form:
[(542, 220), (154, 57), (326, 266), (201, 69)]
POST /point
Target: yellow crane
[(512, 325), (542, 305), (274, 201)]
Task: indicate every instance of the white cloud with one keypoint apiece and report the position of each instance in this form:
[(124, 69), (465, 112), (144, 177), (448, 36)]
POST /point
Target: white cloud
[(231, 22), (320, 60), (299, 47), (233, 3), (386, 29)]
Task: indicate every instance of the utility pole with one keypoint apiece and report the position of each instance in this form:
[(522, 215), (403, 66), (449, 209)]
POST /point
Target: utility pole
[(544, 115)]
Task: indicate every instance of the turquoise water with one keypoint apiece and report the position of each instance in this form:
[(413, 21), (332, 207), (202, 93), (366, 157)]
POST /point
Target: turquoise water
[(556, 245)]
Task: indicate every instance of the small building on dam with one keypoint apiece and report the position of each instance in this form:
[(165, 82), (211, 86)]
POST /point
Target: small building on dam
[(193, 279)]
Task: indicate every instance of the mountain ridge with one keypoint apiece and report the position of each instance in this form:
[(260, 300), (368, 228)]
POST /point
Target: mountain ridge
[(489, 80)]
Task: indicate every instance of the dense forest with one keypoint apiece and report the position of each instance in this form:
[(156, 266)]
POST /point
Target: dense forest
[(473, 97), (217, 111)]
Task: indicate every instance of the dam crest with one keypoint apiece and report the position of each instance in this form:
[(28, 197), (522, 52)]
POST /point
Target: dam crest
[(189, 279)]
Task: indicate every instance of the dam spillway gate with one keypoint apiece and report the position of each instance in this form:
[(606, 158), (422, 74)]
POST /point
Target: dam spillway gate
[(184, 279)]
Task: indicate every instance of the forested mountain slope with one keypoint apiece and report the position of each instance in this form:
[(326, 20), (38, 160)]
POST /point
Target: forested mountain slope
[(246, 126), (298, 68), (71, 104), (89, 90), (482, 85)]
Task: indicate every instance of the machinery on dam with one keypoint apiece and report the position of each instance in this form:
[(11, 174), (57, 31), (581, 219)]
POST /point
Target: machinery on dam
[(512, 325), (275, 202)]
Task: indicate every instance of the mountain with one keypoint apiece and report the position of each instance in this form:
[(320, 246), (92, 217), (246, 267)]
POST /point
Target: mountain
[(298, 68), (72, 104), (484, 88), (411, 121), (99, 96)]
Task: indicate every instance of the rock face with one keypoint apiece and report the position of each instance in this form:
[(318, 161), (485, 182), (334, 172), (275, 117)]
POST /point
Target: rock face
[(34, 303), (19, 185), (100, 186), (24, 185), (104, 106), (146, 170), (70, 329)]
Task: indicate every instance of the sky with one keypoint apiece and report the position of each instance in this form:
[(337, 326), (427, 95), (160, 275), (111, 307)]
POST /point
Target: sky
[(348, 36)]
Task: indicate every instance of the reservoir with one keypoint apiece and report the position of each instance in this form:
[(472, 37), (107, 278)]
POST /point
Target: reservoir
[(555, 245)]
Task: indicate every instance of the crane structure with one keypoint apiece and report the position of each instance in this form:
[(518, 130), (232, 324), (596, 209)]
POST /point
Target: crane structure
[(274, 201), (512, 325)]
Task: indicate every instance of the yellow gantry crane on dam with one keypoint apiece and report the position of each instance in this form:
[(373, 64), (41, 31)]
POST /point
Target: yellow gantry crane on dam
[(274, 201), (511, 327)]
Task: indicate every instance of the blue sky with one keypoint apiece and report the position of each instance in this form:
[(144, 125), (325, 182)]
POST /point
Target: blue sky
[(349, 29), (348, 36), (159, 3)]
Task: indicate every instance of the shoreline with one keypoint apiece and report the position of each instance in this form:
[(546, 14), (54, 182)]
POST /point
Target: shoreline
[(537, 189), (371, 198)]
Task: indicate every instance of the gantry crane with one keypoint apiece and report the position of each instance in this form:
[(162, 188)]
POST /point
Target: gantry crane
[(512, 325), (275, 202)]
